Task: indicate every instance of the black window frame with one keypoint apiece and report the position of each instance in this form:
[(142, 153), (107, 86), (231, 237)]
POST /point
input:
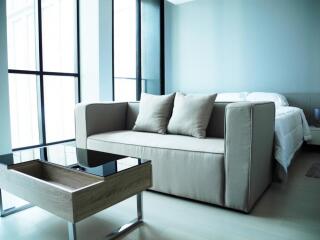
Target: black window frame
[(41, 73)]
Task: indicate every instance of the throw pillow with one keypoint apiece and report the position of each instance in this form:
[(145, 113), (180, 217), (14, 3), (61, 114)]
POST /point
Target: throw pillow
[(191, 114), (154, 113)]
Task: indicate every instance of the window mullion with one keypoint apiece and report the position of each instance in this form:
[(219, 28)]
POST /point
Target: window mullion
[(78, 53), (42, 121), (138, 50)]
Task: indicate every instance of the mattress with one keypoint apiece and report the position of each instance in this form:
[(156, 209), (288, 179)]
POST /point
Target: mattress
[(291, 129)]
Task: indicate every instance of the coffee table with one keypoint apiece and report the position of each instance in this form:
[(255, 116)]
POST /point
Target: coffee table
[(74, 183)]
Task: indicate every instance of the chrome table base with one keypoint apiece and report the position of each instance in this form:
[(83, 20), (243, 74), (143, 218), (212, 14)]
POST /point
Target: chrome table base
[(131, 225), (72, 231), (9, 211)]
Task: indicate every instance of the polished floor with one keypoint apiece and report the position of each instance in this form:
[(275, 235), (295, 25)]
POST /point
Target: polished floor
[(287, 211)]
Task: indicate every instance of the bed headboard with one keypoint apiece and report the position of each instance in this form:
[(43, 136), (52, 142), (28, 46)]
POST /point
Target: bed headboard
[(305, 101)]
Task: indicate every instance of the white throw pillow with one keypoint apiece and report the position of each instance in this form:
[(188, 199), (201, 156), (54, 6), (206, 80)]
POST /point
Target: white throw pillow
[(278, 99), (191, 114), (154, 113)]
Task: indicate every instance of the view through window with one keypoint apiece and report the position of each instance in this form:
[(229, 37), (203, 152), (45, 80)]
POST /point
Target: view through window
[(43, 70), (125, 50), (138, 56)]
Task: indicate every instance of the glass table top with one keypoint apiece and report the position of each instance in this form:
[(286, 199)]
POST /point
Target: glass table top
[(89, 161)]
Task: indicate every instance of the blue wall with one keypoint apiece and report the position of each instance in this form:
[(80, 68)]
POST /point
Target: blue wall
[(5, 138), (243, 45)]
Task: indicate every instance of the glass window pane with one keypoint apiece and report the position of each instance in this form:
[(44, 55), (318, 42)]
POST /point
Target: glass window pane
[(125, 48), (125, 38), (23, 110), (59, 35), (59, 103), (22, 32), (124, 89), (150, 45)]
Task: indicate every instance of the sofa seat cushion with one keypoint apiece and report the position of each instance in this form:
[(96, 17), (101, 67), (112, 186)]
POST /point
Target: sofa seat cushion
[(181, 165), (138, 141)]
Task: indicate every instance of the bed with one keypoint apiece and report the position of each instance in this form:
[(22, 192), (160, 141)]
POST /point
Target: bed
[(291, 126), (291, 130)]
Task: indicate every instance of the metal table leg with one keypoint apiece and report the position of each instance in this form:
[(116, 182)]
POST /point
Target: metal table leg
[(72, 231), (9, 211), (139, 206), (131, 225)]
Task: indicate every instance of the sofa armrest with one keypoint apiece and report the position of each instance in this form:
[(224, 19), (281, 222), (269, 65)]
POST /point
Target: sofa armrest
[(249, 132), (93, 118)]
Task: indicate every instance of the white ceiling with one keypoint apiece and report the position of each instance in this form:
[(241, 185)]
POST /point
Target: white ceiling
[(177, 2)]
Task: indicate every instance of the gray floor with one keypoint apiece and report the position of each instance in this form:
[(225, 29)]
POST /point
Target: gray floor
[(286, 211)]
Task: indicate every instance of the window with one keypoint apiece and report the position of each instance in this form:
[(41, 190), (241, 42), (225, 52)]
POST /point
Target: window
[(138, 35), (43, 57), (125, 28)]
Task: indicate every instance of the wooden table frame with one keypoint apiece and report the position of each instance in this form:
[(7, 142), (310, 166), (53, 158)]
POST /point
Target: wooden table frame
[(103, 193)]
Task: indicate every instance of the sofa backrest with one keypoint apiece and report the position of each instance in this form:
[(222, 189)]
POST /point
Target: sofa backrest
[(216, 123), (215, 126), (132, 114)]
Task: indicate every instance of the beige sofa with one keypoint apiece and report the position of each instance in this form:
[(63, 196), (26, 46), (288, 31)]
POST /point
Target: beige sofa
[(230, 168)]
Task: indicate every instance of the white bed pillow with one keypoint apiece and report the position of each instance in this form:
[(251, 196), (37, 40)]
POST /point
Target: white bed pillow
[(278, 99), (231, 97)]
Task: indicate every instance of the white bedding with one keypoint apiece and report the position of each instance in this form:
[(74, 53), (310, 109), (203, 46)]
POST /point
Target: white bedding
[(291, 129), (291, 126)]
